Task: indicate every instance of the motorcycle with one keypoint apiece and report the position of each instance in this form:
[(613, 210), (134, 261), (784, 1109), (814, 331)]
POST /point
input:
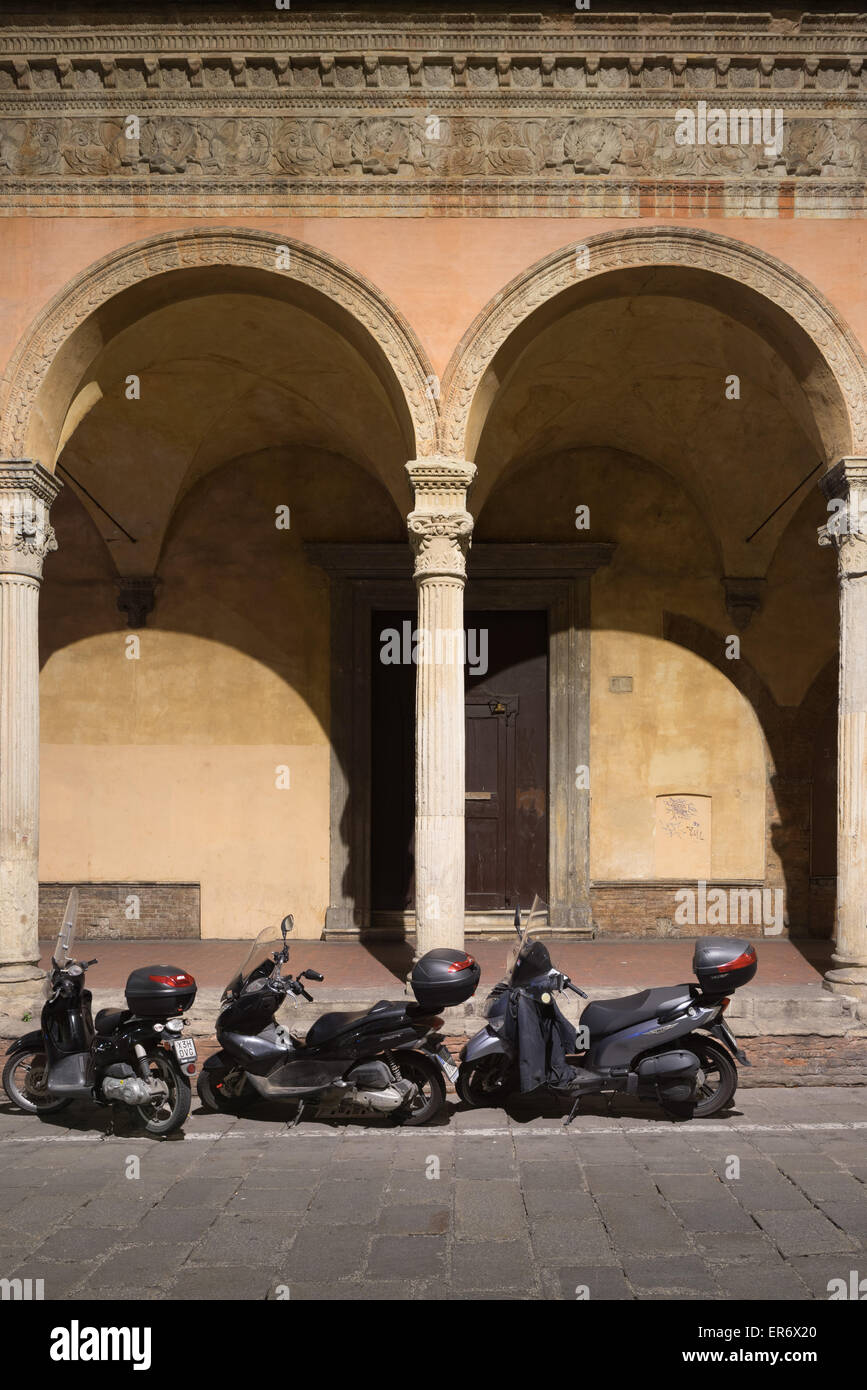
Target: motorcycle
[(133, 1057), (668, 1045), (387, 1060)]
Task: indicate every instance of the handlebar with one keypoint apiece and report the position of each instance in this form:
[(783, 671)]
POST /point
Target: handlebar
[(575, 990)]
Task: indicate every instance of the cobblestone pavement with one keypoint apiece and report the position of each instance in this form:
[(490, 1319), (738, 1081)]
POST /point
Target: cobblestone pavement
[(769, 1203)]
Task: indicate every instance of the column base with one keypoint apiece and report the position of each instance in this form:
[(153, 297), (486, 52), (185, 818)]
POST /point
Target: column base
[(847, 979)]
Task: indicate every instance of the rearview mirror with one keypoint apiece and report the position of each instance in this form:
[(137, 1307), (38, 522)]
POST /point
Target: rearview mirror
[(287, 924)]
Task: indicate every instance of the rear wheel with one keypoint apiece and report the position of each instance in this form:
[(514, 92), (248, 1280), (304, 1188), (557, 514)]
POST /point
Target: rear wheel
[(718, 1088), (24, 1083), (430, 1093), (486, 1082), (168, 1112)]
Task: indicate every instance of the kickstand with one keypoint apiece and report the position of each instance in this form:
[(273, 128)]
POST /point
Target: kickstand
[(298, 1113), (573, 1112)]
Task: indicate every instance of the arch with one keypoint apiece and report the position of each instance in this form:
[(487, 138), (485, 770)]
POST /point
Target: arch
[(468, 390), (365, 315)]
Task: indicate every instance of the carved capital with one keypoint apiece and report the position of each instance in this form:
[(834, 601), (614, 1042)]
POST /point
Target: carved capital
[(27, 491), (440, 527), (845, 487)]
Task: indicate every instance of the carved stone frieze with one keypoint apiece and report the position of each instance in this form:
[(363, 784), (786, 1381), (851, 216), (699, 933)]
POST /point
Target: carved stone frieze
[(573, 112)]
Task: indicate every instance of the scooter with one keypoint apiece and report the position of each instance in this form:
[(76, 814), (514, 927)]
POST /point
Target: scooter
[(387, 1060), (668, 1045), (133, 1057)]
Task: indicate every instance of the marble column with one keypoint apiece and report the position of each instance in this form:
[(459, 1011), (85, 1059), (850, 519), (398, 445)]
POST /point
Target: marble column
[(845, 487), (440, 528), (27, 491)]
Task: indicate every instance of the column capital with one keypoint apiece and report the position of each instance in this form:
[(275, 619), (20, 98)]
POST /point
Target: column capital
[(27, 491), (845, 488), (440, 527)]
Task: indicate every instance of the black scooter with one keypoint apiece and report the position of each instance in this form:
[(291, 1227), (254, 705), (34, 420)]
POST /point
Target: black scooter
[(133, 1057), (669, 1045), (389, 1060)]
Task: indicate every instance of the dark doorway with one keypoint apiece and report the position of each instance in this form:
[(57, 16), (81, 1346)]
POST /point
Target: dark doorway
[(506, 760)]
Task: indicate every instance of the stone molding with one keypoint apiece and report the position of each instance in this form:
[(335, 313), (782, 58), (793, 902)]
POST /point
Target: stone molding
[(217, 246), (27, 491), (658, 246), (307, 111)]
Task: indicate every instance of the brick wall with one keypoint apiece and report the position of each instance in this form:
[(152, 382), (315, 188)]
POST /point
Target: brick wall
[(124, 911)]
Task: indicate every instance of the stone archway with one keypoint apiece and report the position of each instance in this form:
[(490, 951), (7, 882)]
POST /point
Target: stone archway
[(40, 384), (466, 392), (30, 370)]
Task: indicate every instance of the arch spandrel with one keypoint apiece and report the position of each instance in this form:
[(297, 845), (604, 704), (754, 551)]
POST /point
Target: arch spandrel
[(33, 405), (469, 385)]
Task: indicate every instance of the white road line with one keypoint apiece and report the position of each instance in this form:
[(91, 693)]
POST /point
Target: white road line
[(795, 1127)]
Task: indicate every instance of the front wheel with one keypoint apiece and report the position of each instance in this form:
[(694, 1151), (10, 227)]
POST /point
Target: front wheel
[(718, 1088), (24, 1083), (167, 1113), (430, 1093), (487, 1082)]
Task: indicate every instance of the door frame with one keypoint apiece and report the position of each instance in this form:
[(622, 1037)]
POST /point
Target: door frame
[(550, 577)]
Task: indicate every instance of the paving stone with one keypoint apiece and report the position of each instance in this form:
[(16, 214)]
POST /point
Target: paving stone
[(232, 1240), (798, 1233), (690, 1187), (555, 1240), (422, 1256), (722, 1247), (139, 1264), (76, 1244), (625, 1179), (651, 1230), (325, 1253), (180, 1223), (685, 1274), (719, 1214), (817, 1271), (59, 1278), (757, 1282), (851, 1217), (550, 1176), (423, 1219), (559, 1202), (355, 1202), (490, 1208), (485, 1264)]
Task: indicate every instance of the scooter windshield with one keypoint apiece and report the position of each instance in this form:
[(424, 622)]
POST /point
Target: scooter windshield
[(66, 934), (65, 940), (268, 945), (532, 922)]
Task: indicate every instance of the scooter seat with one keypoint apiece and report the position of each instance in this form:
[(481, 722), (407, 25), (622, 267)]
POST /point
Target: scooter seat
[(331, 1026), (109, 1020), (606, 1016)]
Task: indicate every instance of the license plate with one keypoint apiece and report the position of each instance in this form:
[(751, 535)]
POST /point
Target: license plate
[(185, 1050), (444, 1057)]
